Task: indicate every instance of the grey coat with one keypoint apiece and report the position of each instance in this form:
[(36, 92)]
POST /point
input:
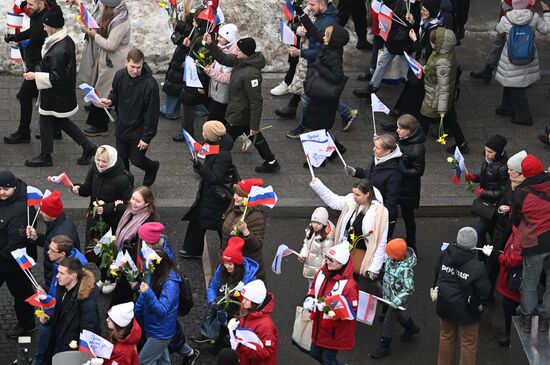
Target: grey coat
[(90, 51), (510, 75)]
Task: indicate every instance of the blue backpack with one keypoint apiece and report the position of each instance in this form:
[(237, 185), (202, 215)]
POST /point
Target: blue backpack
[(521, 45)]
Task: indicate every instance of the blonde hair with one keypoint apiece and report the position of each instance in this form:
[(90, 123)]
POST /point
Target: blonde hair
[(102, 151)]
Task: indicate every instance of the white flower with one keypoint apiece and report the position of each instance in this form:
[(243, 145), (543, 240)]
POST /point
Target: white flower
[(449, 159), (331, 314), (113, 267), (101, 202), (94, 204), (123, 260), (73, 344)]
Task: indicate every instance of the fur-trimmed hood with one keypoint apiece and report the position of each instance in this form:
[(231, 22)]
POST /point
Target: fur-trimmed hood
[(87, 285)]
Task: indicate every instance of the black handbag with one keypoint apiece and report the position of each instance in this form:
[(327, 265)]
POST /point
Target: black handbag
[(483, 209), (224, 191), (515, 276), (317, 87)]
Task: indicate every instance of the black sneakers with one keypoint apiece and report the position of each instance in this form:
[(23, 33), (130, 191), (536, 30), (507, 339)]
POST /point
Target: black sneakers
[(18, 137), (42, 160), (268, 167)]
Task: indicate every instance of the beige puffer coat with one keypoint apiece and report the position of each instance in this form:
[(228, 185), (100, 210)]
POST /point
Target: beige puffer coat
[(510, 75), (314, 251)]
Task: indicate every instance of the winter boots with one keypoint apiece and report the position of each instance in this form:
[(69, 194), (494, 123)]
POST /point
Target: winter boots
[(485, 75), (410, 330), (383, 348)]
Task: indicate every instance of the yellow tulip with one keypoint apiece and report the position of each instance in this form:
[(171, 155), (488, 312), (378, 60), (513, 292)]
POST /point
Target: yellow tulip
[(159, 260), (39, 313)]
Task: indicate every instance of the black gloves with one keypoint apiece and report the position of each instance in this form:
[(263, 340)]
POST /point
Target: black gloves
[(197, 165), (9, 38)]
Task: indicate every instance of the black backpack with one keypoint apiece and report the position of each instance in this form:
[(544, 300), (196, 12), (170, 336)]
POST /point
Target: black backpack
[(186, 296)]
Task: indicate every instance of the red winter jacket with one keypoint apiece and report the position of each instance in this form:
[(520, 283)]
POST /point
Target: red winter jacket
[(125, 351), (334, 334), (261, 323), (511, 258)]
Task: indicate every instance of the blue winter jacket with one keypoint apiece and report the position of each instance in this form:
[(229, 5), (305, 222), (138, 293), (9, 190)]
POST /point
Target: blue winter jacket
[(53, 285), (159, 315), (322, 22), (250, 269)]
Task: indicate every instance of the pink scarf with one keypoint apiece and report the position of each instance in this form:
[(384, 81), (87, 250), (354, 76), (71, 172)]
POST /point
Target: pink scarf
[(126, 230)]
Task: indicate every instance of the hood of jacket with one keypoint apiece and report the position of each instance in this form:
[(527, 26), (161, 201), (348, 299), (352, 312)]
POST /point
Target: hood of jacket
[(393, 155), (226, 142), (520, 16), (457, 256), (445, 40), (134, 336), (80, 256), (20, 194), (417, 136), (250, 269), (256, 60), (87, 285), (267, 307), (339, 37)]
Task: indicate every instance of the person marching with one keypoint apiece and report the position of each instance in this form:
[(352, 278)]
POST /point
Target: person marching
[(124, 334)]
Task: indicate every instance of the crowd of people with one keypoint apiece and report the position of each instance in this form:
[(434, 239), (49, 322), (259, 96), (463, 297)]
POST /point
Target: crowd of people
[(506, 251)]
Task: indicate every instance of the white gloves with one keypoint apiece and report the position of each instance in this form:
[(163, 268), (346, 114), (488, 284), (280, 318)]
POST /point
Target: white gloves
[(433, 293), (487, 249), (309, 304), (232, 325), (350, 170), (234, 343)]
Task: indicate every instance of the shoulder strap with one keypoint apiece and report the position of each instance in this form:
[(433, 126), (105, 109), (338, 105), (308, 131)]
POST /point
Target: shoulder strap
[(537, 193)]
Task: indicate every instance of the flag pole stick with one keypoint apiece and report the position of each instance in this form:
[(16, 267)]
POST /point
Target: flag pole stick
[(385, 301), (191, 33), (28, 216), (31, 279), (109, 115), (373, 122), (245, 209), (24, 67), (35, 216), (341, 158), (310, 168)]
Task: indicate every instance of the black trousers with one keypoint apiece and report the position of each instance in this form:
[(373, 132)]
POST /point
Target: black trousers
[(259, 142), (515, 99), (292, 63), (216, 111), (358, 12), (450, 124), (462, 8), (97, 118), (193, 243), (48, 126), (410, 226), (27, 92), (128, 152), (20, 288), (509, 307)]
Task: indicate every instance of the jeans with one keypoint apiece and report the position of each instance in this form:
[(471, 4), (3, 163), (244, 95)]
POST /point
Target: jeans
[(49, 124), (323, 355), (384, 63), (155, 352), (532, 269), (44, 333), (448, 333), (343, 109), (171, 107)]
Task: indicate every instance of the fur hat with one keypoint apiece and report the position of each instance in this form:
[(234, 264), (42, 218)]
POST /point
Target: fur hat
[(213, 130), (320, 215), (339, 252), (247, 46), (229, 32), (531, 166), (247, 184), (496, 143), (396, 249), (122, 314), (150, 232), (54, 17), (466, 238), (514, 162), (52, 204), (234, 251), (7, 179), (255, 291)]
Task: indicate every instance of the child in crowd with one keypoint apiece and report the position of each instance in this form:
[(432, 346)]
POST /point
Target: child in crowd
[(124, 333), (319, 238), (397, 286)]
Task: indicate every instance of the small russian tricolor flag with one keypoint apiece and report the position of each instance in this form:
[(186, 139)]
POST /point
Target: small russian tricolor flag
[(84, 346), (415, 66), (262, 196), (23, 259), (289, 10), (34, 196), (61, 179), (43, 301)]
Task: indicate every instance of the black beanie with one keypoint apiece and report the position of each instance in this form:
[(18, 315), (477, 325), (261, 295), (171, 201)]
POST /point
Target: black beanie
[(432, 6), (7, 179), (496, 143), (54, 18), (228, 357), (247, 46)]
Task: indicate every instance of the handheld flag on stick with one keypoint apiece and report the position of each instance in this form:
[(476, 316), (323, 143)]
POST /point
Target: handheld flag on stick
[(84, 346), (415, 66), (262, 196), (14, 20), (23, 259), (282, 251), (377, 106), (366, 309), (317, 145), (92, 96), (98, 346), (191, 143), (220, 18), (342, 309), (41, 301), (460, 167), (86, 18), (288, 9), (61, 179), (248, 338), (385, 21), (15, 53), (287, 35), (34, 196), (190, 73)]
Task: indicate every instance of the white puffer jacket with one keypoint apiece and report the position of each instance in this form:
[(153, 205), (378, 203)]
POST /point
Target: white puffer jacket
[(314, 251), (510, 75)]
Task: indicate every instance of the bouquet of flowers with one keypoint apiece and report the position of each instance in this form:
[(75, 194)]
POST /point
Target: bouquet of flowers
[(231, 297), (203, 57), (105, 248), (149, 258), (456, 178), (323, 307), (124, 265), (99, 227)]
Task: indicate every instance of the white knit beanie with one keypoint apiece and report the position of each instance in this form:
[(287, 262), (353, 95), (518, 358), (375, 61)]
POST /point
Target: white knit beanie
[(255, 291), (122, 314), (229, 32), (340, 252), (514, 162), (320, 215)]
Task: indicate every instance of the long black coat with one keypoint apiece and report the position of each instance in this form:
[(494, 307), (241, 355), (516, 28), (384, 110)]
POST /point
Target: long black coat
[(386, 177), (414, 162), (173, 83), (61, 225), (13, 222), (60, 63), (80, 313), (207, 210), (115, 183), (398, 38), (36, 35), (493, 178)]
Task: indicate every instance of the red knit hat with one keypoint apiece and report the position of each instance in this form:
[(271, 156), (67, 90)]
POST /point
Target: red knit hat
[(531, 166), (150, 232), (396, 249), (52, 204), (234, 251), (247, 184)]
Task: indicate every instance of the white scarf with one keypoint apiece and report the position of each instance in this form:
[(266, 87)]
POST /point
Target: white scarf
[(394, 154), (53, 39)]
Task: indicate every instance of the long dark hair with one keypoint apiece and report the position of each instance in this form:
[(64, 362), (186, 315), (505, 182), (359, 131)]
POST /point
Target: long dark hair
[(238, 274), (322, 232), (162, 272), (106, 18), (120, 333)]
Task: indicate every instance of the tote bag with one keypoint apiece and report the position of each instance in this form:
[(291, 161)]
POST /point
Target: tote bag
[(301, 332)]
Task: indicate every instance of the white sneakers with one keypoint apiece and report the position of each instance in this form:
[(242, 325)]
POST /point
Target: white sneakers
[(106, 286), (280, 90)]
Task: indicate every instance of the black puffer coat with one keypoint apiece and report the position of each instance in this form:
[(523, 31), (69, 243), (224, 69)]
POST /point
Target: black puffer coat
[(414, 162), (115, 183), (208, 208), (13, 222), (493, 178), (460, 274), (173, 82), (398, 38)]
